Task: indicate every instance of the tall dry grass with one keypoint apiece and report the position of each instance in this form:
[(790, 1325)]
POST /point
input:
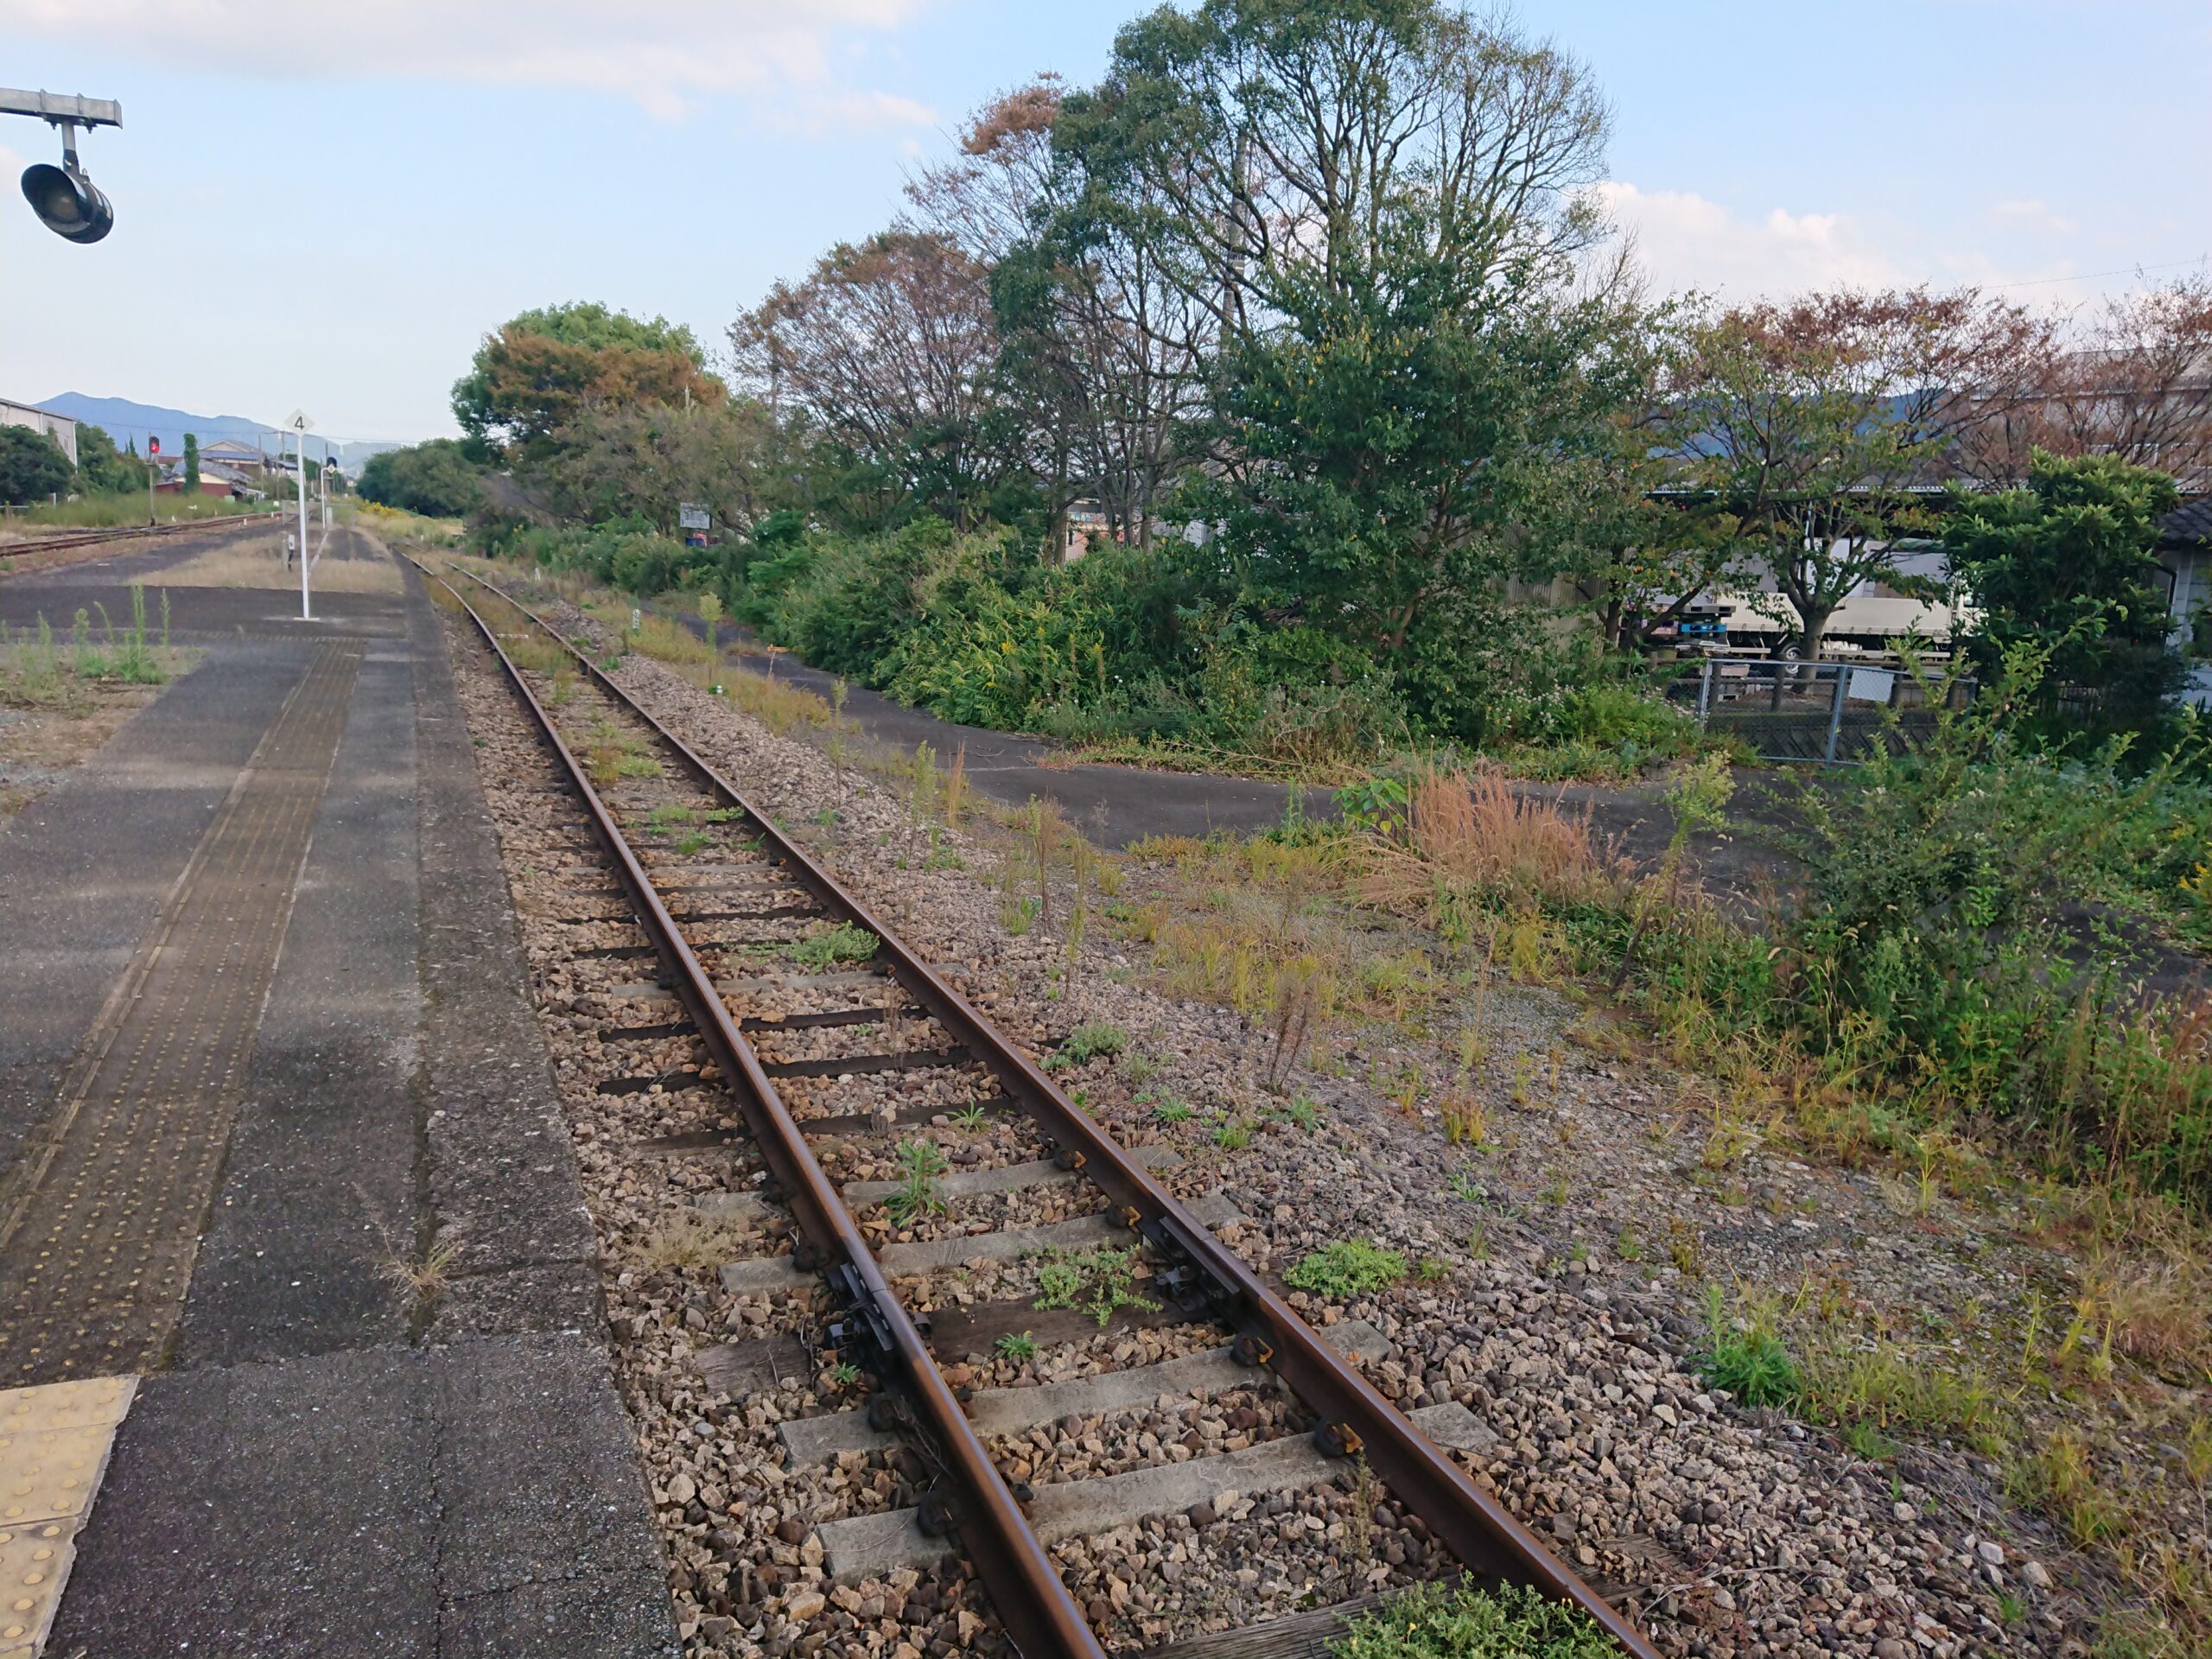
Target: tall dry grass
[(1471, 836)]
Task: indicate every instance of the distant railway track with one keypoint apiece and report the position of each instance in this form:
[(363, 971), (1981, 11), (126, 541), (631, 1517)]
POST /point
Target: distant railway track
[(718, 891), (72, 541)]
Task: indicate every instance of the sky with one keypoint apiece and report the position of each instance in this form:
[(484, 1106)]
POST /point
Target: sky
[(326, 208)]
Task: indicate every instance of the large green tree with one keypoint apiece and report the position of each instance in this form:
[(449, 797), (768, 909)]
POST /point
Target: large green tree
[(32, 467), (640, 461), (2069, 566), (437, 478), (543, 368), (1382, 203), (101, 466)]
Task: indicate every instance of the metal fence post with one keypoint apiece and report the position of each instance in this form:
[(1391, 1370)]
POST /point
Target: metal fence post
[(1835, 709), (1705, 692)]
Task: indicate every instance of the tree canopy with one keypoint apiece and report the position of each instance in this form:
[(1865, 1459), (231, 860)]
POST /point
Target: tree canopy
[(546, 367), (437, 478), (31, 465), (2069, 566)]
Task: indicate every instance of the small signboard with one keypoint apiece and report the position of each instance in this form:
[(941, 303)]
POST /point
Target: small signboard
[(693, 515)]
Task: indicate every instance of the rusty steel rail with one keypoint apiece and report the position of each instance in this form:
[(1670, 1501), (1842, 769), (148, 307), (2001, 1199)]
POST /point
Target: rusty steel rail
[(1208, 1279), (1039, 1615), (129, 532)]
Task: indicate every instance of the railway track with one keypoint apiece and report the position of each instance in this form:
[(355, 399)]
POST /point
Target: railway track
[(71, 540), (797, 999)]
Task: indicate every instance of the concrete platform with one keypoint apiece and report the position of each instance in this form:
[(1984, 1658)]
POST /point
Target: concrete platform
[(316, 1461)]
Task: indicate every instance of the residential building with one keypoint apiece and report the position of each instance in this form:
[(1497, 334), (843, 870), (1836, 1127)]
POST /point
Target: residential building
[(2185, 555)]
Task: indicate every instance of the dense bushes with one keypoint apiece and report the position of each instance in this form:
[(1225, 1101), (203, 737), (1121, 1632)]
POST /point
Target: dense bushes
[(627, 555), (1123, 645)]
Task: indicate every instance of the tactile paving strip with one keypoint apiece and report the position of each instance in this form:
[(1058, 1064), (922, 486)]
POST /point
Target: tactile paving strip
[(100, 1218), (54, 1442)]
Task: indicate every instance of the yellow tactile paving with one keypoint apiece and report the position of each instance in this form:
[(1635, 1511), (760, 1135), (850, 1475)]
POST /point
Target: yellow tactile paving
[(100, 1217), (54, 1442)]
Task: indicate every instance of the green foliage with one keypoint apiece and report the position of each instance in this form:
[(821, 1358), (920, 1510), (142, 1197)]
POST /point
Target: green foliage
[(1017, 1346), (546, 367), (2067, 567), (1751, 1362), (1377, 805), (1095, 1282), (921, 1164), (1085, 1044), (439, 479), (843, 943), (1348, 1268), (627, 553), (191, 472), (1441, 1621), (1944, 962), (102, 469), (31, 465)]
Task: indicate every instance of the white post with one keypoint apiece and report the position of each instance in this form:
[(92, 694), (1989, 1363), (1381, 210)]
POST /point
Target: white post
[(306, 614)]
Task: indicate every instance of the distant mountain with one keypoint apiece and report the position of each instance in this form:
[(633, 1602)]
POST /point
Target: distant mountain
[(128, 423)]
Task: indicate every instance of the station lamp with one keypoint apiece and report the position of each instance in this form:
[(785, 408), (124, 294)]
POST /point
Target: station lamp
[(65, 198)]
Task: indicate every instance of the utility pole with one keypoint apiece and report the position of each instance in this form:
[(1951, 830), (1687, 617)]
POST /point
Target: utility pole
[(152, 471)]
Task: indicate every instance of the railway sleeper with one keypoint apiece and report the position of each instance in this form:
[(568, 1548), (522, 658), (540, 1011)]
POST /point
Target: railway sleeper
[(775, 1273), (1016, 1411), (866, 1546)]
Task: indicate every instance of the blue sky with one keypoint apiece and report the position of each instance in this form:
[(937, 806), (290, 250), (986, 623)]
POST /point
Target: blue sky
[(326, 208)]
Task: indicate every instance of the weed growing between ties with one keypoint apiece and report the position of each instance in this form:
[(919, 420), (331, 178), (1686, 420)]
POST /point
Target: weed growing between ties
[(845, 942), (922, 1165), (1436, 1621), (1096, 1282)]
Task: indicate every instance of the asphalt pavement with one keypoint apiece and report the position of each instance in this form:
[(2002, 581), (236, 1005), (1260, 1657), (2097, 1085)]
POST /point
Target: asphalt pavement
[(318, 1460)]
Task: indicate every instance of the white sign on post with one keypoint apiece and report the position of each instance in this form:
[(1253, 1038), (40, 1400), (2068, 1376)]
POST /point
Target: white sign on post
[(693, 515), (299, 426)]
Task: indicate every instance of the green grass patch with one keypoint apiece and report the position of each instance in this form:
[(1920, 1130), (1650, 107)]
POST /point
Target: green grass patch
[(1455, 1621), (1350, 1266), (1085, 1044), (1095, 1282), (843, 943)]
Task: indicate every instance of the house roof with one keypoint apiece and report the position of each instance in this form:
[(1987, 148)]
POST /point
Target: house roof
[(2190, 522)]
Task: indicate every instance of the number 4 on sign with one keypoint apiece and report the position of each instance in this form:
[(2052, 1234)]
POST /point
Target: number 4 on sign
[(298, 424)]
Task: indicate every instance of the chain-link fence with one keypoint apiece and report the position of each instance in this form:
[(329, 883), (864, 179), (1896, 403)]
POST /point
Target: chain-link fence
[(1826, 712)]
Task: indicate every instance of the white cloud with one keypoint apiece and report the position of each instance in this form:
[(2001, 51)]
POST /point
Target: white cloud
[(1688, 241), (2031, 214), (664, 55)]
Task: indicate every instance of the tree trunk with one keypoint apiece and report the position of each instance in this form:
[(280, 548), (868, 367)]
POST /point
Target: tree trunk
[(1815, 632)]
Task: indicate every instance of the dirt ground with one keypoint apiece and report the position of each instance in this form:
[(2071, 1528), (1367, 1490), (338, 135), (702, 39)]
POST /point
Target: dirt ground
[(38, 746)]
